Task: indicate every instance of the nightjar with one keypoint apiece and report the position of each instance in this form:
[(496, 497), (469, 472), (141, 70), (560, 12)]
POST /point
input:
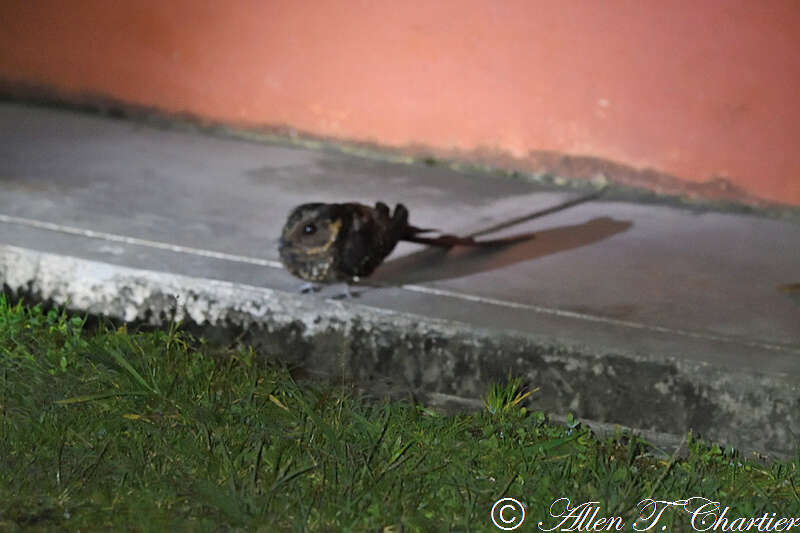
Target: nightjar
[(327, 243)]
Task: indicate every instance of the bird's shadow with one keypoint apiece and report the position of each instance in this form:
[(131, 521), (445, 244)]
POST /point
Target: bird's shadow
[(433, 264)]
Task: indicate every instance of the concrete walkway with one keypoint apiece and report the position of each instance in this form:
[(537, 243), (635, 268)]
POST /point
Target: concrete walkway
[(650, 316)]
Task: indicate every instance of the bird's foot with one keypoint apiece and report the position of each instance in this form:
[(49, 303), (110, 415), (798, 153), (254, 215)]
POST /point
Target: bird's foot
[(305, 288), (347, 294)]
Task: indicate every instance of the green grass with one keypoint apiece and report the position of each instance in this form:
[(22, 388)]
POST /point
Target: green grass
[(153, 431)]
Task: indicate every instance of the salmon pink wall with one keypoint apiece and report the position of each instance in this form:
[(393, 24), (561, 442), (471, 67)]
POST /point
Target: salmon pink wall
[(695, 90)]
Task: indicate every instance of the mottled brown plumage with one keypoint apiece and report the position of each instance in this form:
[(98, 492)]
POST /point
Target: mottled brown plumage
[(326, 243)]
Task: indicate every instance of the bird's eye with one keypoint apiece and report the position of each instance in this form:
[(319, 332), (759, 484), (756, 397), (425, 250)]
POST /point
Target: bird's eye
[(310, 229)]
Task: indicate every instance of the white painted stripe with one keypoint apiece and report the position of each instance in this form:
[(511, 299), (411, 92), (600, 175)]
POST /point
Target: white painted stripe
[(91, 234)]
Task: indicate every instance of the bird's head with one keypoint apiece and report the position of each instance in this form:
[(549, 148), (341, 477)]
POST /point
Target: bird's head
[(310, 229)]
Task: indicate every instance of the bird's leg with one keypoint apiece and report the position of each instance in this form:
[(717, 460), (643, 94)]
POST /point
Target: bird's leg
[(353, 280), (309, 287), (348, 294)]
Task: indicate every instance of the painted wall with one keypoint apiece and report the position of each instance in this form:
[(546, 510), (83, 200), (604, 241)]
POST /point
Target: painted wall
[(694, 90)]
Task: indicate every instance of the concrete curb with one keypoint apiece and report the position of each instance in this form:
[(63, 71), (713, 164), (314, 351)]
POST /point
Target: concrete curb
[(431, 357)]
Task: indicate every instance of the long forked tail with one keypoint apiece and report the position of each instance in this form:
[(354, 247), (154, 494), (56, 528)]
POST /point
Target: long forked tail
[(448, 241), (412, 233), (407, 232)]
